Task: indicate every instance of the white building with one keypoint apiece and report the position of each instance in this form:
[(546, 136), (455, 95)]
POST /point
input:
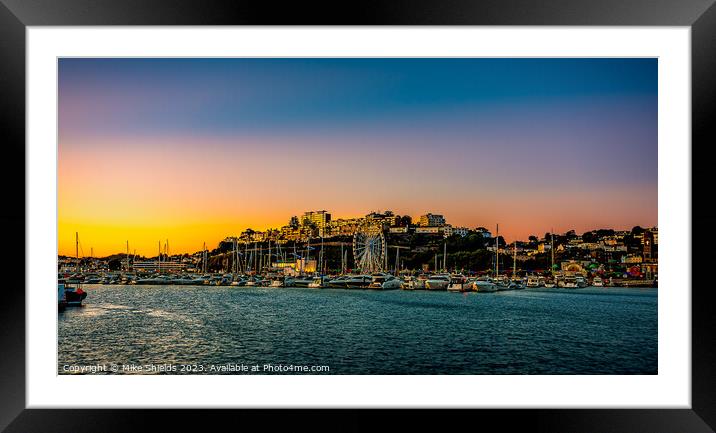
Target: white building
[(428, 230)]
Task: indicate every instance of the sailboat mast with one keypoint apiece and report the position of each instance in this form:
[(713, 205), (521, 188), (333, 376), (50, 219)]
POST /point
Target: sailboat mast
[(308, 251), (159, 258), (321, 264), (551, 269), (497, 251), (514, 260), (397, 261), (445, 256)]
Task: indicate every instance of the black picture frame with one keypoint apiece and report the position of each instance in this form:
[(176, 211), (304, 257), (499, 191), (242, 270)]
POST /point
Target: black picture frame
[(16, 15)]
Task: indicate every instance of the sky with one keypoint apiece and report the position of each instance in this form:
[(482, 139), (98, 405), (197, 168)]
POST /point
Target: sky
[(194, 150)]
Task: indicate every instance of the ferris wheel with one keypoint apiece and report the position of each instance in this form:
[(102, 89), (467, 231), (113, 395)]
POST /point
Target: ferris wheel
[(369, 250)]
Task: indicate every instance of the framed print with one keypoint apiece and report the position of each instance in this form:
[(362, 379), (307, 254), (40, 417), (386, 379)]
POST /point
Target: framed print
[(455, 207)]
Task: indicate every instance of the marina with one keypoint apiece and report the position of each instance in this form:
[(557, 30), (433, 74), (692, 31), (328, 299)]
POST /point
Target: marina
[(377, 281), (371, 268)]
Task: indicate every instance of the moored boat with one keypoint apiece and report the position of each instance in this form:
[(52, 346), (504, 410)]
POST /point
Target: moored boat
[(437, 282), (339, 282), (532, 281), (569, 282), (302, 281), (417, 283), (359, 282), (484, 285), (383, 281), (318, 282), (70, 294), (459, 283)]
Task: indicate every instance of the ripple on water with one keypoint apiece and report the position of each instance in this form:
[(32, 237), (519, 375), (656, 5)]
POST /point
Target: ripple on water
[(366, 332)]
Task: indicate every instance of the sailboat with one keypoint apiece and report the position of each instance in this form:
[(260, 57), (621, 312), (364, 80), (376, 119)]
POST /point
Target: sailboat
[(501, 282), (70, 295), (515, 284), (485, 284)]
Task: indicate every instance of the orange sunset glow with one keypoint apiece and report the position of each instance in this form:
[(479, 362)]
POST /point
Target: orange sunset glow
[(193, 153)]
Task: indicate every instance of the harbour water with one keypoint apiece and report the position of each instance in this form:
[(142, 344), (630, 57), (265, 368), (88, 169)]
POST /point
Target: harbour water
[(533, 331)]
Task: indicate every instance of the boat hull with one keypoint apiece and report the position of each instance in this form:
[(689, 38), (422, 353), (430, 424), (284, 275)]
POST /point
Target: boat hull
[(485, 287), (436, 285)]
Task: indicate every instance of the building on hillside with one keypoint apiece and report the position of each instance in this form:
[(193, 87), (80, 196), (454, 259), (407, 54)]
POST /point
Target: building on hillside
[(431, 220), (428, 230), (632, 258), (484, 232), (385, 219), (319, 217), (648, 245)]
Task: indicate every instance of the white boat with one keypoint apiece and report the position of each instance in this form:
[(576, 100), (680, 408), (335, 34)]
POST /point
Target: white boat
[(580, 281), (69, 294), (302, 281), (549, 284), (359, 281), (484, 285), (318, 282), (417, 283), (597, 282), (502, 282), (339, 282), (239, 282), (569, 282), (384, 282), (161, 279), (532, 281), (277, 282), (391, 282), (437, 282), (459, 283), (254, 282), (187, 280)]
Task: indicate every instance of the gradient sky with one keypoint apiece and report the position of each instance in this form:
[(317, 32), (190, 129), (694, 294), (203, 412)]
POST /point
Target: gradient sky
[(193, 150)]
